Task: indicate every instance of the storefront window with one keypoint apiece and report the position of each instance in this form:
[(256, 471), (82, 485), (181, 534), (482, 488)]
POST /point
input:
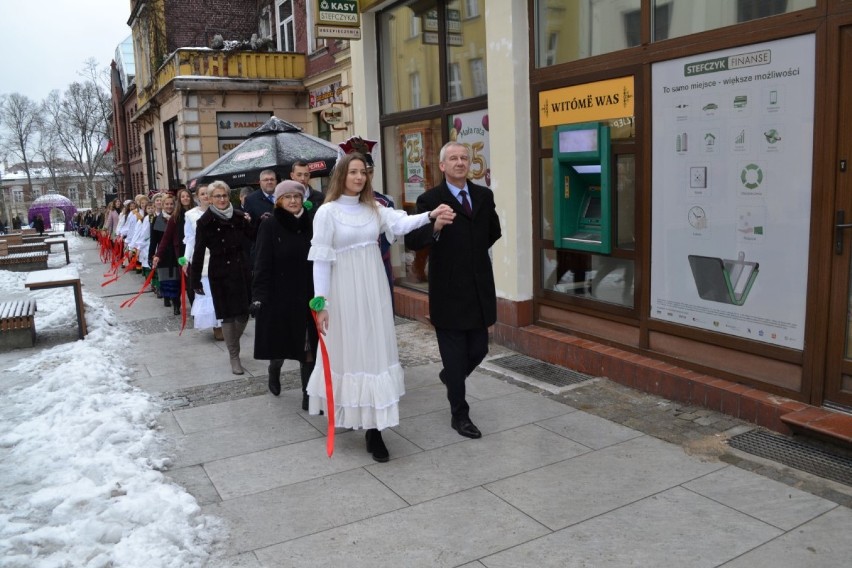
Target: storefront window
[(592, 276), (411, 167), (568, 30), (410, 69), (466, 49), (689, 17)]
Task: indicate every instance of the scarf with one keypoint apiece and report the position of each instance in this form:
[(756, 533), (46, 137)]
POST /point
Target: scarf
[(225, 214)]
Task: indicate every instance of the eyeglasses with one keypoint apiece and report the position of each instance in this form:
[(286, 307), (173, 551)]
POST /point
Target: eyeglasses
[(291, 196), (224, 196)]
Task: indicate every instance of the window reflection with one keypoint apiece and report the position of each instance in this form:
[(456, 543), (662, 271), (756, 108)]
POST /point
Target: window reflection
[(410, 69), (466, 53), (569, 30), (590, 276), (411, 34)]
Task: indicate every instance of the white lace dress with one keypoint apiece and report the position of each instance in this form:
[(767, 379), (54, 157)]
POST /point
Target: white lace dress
[(366, 375)]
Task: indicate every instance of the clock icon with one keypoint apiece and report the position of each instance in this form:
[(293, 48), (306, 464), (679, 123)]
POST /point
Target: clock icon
[(697, 217)]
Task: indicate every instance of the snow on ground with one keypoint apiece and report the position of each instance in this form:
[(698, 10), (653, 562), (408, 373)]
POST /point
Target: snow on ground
[(80, 459)]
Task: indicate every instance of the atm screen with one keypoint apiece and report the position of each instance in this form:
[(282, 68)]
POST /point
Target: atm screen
[(578, 141)]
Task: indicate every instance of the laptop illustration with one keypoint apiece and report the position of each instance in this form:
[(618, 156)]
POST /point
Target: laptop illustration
[(725, 281)]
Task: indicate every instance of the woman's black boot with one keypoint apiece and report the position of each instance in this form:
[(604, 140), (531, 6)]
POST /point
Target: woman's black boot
[(167, 302), (176, 307), (305, 370), (275, 376), (376, 446)]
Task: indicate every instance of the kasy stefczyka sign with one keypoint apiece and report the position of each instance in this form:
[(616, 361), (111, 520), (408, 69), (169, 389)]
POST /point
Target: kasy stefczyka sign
[(338, 13)]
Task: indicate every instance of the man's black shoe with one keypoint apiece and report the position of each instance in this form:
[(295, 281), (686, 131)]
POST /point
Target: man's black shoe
[(465, 427), (441, 376)]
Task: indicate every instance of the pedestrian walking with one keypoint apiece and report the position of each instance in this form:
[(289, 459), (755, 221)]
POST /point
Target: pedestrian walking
[(353, 303), (282, 285), (462, 297), (224, 231)]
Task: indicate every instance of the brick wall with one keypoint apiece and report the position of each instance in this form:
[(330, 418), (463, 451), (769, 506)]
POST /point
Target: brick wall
[(193, 23)]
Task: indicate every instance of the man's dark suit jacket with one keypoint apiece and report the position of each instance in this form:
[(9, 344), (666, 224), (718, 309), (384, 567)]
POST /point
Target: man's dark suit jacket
[(256, 204), (461, 279)]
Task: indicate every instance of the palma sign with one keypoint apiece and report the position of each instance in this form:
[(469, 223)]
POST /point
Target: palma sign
[(338, 13)]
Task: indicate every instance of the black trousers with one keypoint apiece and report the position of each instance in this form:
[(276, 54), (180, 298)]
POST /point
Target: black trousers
[(461, 351)]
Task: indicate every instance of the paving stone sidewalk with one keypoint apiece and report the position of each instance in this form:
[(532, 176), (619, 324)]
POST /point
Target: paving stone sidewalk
[(591, 475)]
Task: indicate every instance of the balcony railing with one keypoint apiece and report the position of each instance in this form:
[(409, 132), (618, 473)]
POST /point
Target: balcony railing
[(203, 62)]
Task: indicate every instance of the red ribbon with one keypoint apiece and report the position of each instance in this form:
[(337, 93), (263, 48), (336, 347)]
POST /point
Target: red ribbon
[(329, 391), (131, 265), (182, 300), (129, 302)]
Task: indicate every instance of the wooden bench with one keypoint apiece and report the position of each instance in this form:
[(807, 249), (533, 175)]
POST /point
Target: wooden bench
[(29, 247), (34, 238), (23, 261), (13, 238), (17, 324), (59, 278), (58, 241)]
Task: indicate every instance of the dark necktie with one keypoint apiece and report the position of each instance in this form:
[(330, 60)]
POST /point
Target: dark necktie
[(466, 204), (270, 197)]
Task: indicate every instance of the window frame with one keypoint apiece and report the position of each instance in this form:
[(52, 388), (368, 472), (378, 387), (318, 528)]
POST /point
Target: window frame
[(285, 31)]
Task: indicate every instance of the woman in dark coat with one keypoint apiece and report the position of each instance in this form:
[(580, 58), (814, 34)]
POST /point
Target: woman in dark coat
[(225, 231), (165, 262), (283, 285), (171, 241)]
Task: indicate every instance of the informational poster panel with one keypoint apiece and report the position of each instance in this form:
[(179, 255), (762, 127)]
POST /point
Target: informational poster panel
[(471, 129), (414, 176), (731, 194)]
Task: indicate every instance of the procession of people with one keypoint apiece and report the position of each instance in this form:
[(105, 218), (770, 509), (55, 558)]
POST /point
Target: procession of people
[(313, 269)]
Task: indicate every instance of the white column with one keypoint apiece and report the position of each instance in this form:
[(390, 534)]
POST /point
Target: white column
[(365, 88), (506, 25)]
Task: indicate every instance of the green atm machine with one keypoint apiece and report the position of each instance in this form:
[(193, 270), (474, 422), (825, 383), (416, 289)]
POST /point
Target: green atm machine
[(582, 194)]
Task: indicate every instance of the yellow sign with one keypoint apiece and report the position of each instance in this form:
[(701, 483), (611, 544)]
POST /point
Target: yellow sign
[(602, 100)]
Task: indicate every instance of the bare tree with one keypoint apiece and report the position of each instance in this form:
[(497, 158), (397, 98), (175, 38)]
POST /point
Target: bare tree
[(48, 150), (79, 119), (20, 117)]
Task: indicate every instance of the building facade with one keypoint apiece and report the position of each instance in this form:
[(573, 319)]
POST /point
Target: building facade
[(671, 177), (64, 181), (206, 78)]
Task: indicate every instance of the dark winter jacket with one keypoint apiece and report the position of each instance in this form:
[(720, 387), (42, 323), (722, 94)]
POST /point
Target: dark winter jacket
[(283, 284), (229, 271)]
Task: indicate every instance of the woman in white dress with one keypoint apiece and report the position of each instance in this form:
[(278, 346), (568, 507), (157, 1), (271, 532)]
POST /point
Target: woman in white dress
[(357, 321)]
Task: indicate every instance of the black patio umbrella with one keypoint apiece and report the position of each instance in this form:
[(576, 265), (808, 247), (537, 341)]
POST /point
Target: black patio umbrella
[(274, 146)]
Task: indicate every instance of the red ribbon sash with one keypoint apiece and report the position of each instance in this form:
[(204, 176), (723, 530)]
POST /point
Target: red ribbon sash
[(329, 391)]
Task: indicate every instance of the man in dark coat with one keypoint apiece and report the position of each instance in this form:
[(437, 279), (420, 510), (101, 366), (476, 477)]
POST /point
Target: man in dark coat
[(462, 297), (259, 203), (300, 172)]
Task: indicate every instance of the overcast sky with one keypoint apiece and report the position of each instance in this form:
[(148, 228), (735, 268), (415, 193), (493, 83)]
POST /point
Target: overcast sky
[(46, 44)]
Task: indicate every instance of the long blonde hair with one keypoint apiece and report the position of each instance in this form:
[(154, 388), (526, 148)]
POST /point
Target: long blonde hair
[(338, 181)]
